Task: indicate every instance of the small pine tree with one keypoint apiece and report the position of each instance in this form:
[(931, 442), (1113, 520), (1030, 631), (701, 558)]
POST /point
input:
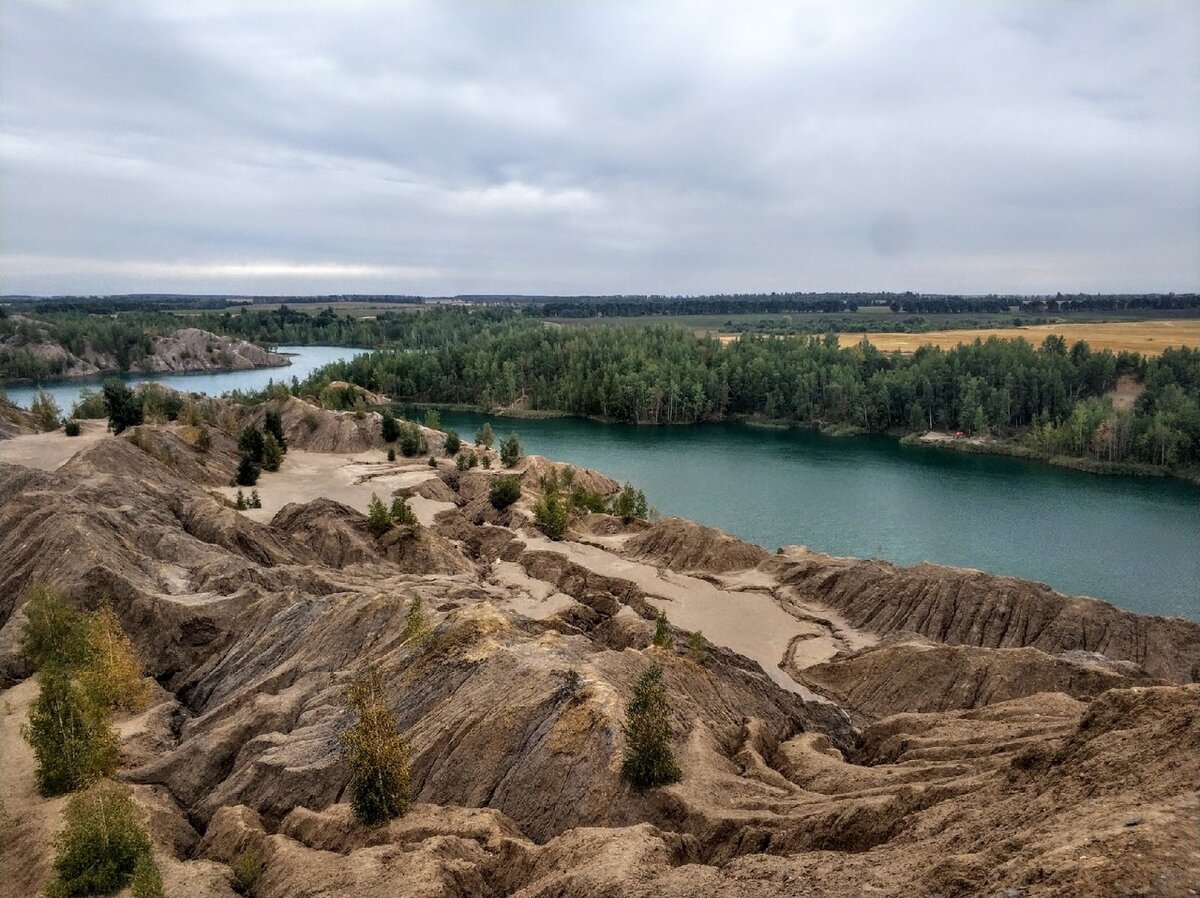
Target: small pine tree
[(55, 634), (252, 443), (389, 428), (379, 519), (102, 840), (273, 426), (472, 460), (112, 676), (511, 451), (453, 442), (70, 736), (461, 462), (402, 514), (272, 456), (412, 441), (203, 439), (433, 420), (378, 754), (484, 436), (630, 503), (506, 490), (662, 632), (255, 499), (432, 462), (247, 471), (247, 869), (649, 760), (416, 624), (71, 428), (697, 648), (239, 501), (487, 461), (147, 881), (391, 455), (123, 405), (550, 513)]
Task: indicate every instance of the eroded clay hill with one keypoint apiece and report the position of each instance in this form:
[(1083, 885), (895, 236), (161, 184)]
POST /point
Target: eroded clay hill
[(816, 759)]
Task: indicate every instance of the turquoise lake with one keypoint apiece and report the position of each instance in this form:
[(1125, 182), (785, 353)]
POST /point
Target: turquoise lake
[(1132, 541)]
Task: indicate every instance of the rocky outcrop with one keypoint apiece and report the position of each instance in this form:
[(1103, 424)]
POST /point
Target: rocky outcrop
[(15, 420), (686, 546), (187, 350), (964, 607), (921, 676), (1010, 768)]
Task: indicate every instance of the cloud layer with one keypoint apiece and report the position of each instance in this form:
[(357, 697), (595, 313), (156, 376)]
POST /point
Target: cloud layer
[(598, 147)]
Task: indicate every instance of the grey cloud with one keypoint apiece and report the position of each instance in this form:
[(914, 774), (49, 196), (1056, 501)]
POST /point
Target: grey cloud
[(599, 147)]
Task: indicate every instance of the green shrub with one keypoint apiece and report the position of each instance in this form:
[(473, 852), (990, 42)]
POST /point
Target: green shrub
[(649, 760), (272, 455), (147, 881), (412, 441), (240, 501), (70, 735), (484, 435), (123, 405), (630, 503), (550, 513), (697, 648), (511, 451), (433, 420), (273, 426), (416, 624), (391, 454), (389, 428), (55, 634), (255, 499), (46, 410), (401, 512), (487, 461), (432, 462), (662, 632), (112, 675), (90, 406), (472, 460), (461, 462), (102, 840), (203, 439), (252, 443), (71, 428), (505, 491), (247, 869), (378, 755), (379, 519), (453, 442)]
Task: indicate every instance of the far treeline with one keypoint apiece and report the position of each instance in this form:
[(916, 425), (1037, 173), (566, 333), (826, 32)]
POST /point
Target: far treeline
[(1052, 396)]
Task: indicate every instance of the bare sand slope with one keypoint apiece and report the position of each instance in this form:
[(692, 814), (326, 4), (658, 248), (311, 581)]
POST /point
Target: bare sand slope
[(48, 451), (747, 620), (347, 478)]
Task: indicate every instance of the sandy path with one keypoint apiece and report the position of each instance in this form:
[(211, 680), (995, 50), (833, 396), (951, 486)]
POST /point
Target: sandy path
[(50, 450), (30, 820), (529, 596), (748, 621)]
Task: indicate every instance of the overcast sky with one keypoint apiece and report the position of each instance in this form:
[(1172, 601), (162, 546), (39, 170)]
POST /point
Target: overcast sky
[(599, 147)]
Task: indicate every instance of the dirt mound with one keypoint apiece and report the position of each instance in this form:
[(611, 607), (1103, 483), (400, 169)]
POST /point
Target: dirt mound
[(964, 607), (533, 468), (15, 421), (192, 349), (683, 545), (924, 676)]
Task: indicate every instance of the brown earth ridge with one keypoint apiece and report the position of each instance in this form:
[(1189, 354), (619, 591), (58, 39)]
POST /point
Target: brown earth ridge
[(853, 728), (187, 350)]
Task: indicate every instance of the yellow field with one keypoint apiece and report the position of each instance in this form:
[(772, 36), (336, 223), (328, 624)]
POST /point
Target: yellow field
[(1146, 337)]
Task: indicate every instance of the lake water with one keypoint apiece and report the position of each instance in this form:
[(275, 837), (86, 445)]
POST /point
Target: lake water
[(1132, 541), (305, 360)]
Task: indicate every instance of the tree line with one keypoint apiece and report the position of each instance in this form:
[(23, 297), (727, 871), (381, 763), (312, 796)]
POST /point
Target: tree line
[(666, 375)]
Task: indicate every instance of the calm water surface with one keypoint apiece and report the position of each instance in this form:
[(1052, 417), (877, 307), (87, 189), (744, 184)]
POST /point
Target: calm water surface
[(1132, 541), (305, 360)]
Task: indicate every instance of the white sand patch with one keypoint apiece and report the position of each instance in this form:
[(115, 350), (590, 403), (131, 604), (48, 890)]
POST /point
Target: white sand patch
[(528, 595), (48, 451), (349, 479), (749, 622)]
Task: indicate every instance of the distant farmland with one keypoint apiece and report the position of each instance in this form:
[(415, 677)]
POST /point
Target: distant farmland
[(1146, 337)]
